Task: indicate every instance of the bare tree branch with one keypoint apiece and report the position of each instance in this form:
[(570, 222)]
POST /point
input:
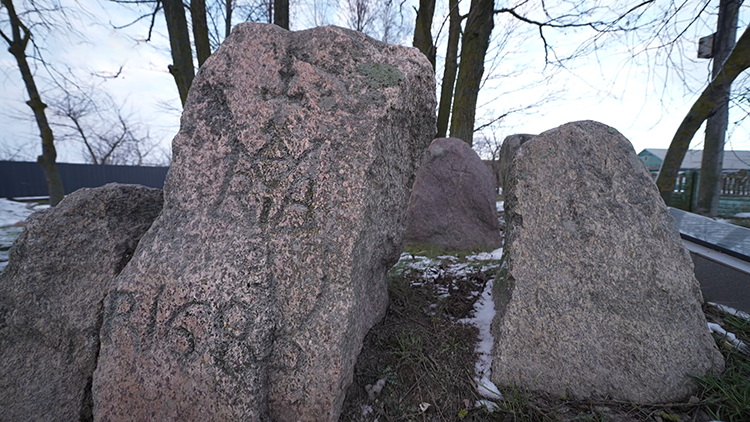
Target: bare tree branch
[(703, 108)]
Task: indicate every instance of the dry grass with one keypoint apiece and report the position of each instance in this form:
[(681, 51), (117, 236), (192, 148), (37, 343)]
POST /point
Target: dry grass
[(425, 355)]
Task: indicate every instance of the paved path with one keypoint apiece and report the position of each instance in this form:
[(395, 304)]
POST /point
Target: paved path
[(724, 279)]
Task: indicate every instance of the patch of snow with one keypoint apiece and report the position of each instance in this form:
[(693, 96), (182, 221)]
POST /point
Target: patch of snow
[(421, 262), (495, 255), (484, 313), (31, 198), (489, 405), (500, 205), (731, 311), (8, 235), (430, 274), (448, 257), (488, 389), (374, 390), (12, 216), (13, 212), (486, 268), (458, 269), (743, 215), (716, 328), (366, 409)]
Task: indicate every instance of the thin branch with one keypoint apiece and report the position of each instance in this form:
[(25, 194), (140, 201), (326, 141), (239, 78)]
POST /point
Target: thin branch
[(157, 7), (5, 38)]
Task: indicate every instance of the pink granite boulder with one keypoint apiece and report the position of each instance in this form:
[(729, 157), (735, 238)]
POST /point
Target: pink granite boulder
[(284, 207), (51, 294), (452, 204)]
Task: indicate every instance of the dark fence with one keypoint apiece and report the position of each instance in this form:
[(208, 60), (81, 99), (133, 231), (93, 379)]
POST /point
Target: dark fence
[(685, 194), (734, 197), (21, 179)]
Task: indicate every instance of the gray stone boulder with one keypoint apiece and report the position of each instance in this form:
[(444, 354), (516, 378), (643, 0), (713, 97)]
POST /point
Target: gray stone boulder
[(453, 202), (507, 152), (285, 206), (599, 297), (51, 295)]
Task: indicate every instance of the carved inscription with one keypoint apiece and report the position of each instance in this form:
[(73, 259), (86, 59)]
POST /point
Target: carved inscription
[(197, 332)]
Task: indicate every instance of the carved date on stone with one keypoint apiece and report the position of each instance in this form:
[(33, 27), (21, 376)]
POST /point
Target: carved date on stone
[(195, 332)]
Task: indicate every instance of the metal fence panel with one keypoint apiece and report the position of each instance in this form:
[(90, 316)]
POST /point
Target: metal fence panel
[(22, 179)]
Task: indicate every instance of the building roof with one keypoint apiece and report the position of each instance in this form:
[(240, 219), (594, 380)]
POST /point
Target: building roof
[(733, 160)]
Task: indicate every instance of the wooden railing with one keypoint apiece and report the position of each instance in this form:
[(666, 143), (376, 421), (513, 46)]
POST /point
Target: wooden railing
[(736, 184)]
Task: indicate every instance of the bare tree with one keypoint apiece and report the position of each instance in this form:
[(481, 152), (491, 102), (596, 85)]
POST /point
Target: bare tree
[(182, 68), (476, 39), (107, 132), (317, 12), (200, 30), (211, 24), (716, 125), (359, 15), (450, 68), (393, 25), (704, 107), (18, 40), (423, 30), (222, 15), (645, 27), (20, 152), (281, 13)]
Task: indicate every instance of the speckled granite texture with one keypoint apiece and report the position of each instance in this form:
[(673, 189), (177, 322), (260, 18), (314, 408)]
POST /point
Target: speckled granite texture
[(453, 202), (599, 297), (284, 207), (60, 269)]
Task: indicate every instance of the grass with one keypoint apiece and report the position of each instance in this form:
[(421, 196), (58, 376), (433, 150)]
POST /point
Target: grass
[(421, 350), (423, 355), (433, 252), (727, 396)]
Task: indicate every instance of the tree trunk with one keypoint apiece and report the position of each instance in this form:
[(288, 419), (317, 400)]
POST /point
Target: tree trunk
[(451, 66), (423, 30), (228, 19), (200, 30), (709, 188), (281, 13), (17, 47), (179, 40), (476, 40), (703, 108)]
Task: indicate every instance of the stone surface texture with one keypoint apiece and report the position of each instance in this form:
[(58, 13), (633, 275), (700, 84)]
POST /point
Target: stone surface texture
[(599, 297), (51, 293), (285, 206), (507, 152), (452, 204)]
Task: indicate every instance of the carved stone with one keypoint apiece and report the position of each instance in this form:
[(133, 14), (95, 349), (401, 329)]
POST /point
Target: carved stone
[(284, 208)]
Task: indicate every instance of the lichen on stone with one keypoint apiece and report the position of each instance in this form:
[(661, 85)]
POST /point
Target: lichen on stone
[(380, 75)]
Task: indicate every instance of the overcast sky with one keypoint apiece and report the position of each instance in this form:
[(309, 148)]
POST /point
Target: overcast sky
[(641, 100)]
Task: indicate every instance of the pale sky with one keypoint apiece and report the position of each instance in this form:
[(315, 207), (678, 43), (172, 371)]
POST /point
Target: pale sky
[(630, 95)]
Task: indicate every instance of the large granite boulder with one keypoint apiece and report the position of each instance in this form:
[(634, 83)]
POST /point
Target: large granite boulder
[(285, 206), (452, 204), (51, 296), (599, 297), (507, 152)]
